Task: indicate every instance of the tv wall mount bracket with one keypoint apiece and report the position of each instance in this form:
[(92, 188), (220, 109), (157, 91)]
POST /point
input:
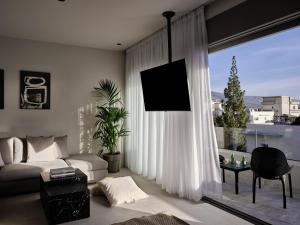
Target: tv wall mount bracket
[(168, 15)]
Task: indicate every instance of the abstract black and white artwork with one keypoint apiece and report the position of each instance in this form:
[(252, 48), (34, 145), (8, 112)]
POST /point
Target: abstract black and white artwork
[(1, 89), (34, 90)]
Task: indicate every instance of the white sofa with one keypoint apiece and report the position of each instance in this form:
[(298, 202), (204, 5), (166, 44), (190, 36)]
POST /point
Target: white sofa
[(18, 175), (94, 167)]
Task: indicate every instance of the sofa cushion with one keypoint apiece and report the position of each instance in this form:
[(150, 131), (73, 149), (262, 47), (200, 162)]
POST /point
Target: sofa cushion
[(1, 161), (7, 149), (61, 147), (30, 170), (40, 149), (18, 150), (86, 162), (46, 166), (18, 171)]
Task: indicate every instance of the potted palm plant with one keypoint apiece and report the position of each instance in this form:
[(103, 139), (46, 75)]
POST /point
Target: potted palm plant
[(110, 123)]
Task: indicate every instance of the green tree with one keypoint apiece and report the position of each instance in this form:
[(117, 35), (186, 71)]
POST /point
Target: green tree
[(234, 114)]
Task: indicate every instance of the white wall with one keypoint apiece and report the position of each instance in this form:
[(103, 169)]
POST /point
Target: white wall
[(74, 73)]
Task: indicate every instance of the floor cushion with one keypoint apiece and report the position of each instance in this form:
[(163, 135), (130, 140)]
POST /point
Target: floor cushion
[(121, 190), (86, 162)]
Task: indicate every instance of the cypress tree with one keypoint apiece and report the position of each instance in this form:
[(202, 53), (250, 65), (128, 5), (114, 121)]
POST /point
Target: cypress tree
[(234, 114)]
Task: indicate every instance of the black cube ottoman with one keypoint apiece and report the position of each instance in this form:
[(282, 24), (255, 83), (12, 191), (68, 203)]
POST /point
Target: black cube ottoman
[(65, 199)]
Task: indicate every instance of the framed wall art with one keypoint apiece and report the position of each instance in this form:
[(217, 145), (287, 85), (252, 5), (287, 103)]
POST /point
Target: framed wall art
[(34, 90)]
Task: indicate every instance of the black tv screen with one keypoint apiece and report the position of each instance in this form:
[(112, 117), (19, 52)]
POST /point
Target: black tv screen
[(165, 87)]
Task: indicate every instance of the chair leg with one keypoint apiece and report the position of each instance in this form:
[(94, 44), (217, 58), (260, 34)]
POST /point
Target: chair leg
[(254, 187), (283, 192), (290, 185)]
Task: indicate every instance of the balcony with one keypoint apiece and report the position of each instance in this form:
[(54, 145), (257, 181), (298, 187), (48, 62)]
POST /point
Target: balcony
[(268, 206)]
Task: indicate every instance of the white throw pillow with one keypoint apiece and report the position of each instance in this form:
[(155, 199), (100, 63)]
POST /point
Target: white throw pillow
[(1, 161), (121, 190), (61, 147), (7, 150), (40, 149)]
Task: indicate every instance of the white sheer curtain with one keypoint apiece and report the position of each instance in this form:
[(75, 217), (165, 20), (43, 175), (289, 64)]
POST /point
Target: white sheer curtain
[(178, 149)]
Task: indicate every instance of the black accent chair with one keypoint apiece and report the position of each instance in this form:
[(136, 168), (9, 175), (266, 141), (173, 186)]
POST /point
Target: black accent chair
[(271, 164), (221, 158)]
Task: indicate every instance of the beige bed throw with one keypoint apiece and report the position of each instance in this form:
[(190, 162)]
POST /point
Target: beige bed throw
[(158, 219)]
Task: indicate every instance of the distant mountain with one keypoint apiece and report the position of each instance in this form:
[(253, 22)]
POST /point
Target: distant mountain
[(250, 101), (217, 95)]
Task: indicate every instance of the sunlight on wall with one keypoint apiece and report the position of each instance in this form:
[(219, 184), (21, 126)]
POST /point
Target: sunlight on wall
[(86, 122)]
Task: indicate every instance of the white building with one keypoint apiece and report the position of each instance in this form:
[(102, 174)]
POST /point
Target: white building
[(261, 117), (294, 107), (217, 108), (281, 105)]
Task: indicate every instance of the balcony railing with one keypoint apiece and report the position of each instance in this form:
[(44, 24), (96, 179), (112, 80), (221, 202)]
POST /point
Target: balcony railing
[(284, 137)]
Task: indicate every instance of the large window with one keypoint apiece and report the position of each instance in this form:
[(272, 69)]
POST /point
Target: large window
[(268, 70)]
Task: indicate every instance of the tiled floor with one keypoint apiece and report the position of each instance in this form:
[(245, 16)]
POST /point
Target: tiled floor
[(268, 206)]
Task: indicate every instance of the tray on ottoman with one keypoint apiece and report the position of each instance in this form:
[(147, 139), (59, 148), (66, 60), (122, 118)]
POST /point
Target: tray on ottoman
[(65, 199)]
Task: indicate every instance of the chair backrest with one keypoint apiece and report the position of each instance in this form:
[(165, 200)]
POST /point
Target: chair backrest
[(269, 163)]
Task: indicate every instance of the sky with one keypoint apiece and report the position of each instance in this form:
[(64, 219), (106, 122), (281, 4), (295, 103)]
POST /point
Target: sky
[(268, 66)]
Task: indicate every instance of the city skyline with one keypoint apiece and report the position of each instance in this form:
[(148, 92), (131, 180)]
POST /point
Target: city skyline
[(267, 66)]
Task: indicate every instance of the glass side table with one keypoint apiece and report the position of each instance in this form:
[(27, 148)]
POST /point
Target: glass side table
[(236, 168)]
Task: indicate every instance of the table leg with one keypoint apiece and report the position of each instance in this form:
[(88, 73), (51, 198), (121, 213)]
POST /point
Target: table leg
[(223, 175), (290, 185), (236, 182), (259, 182)]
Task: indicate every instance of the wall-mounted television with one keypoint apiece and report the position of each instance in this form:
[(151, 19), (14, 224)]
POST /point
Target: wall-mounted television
[(165, 87)]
